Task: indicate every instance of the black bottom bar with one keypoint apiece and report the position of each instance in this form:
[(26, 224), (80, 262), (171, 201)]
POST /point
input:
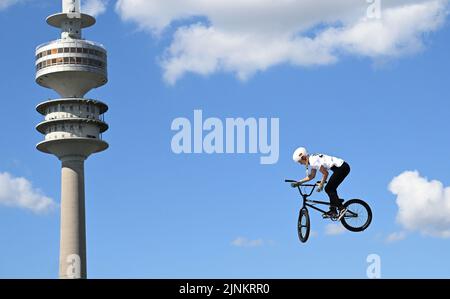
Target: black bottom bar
[(217, 287)]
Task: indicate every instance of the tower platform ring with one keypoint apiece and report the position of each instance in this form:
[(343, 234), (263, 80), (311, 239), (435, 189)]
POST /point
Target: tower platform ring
[(43, 106), (72, 147), (71, 80), (41, 127), (57, 19)]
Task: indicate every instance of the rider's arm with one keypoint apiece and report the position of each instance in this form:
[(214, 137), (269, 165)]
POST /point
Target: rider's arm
[(310, 177), (324, 172)]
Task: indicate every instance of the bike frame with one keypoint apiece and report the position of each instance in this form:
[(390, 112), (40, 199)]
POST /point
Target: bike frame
[(310, 203)]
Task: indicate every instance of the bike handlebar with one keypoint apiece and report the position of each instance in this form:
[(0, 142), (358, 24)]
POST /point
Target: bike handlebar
[(305, 185)]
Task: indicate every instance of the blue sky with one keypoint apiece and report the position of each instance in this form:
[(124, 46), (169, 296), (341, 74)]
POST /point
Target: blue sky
[(154, 214)]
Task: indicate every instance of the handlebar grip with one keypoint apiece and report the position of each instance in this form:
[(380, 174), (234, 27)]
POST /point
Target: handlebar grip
[(290, 181)]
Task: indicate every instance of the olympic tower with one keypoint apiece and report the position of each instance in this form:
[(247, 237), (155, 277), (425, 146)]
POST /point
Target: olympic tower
[(73, 125)]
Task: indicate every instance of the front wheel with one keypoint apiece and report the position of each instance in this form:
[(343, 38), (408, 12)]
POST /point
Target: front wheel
[(303, 225), (358, 216)]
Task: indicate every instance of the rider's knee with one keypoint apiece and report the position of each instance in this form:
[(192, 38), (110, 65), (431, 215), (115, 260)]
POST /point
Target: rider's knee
[(328, 190)]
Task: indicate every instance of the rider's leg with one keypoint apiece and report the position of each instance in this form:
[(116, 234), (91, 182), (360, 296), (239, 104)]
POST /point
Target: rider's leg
[(338, 176)]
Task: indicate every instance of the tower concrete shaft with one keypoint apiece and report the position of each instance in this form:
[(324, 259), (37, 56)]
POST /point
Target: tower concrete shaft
[(73, 229), (73, 125)]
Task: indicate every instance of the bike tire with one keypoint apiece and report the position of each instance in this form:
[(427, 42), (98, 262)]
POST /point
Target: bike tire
[(359, 207), (303, 225)]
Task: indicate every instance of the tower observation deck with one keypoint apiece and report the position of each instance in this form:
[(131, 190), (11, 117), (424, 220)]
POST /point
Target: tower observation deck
[(72, 125)]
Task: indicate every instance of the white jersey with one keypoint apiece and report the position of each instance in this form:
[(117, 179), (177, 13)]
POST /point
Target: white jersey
[(318, 160)]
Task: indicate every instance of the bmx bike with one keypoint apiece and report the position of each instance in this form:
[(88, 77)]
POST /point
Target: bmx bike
[(357, 218)]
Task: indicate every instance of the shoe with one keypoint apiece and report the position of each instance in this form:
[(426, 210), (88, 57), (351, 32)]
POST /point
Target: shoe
[(342, 212), (330, 214)]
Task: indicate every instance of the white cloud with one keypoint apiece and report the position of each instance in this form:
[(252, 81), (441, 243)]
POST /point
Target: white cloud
[(423, 205), (94, 7), (244, 242), (7, 3), (247, 36), (19, 192), (395, 237), (334, 229)]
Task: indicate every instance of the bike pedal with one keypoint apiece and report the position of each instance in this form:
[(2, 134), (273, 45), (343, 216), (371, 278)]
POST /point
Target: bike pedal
[(325, 216)]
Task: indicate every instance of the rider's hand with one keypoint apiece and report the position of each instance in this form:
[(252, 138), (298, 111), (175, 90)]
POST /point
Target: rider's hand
[(320, 188), (295, 185)]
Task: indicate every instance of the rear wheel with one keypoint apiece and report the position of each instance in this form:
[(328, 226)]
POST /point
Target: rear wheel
[(358, 216), (303, 225)]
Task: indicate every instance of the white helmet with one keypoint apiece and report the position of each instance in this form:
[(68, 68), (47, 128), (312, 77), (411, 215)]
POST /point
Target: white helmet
[(301, 151)]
